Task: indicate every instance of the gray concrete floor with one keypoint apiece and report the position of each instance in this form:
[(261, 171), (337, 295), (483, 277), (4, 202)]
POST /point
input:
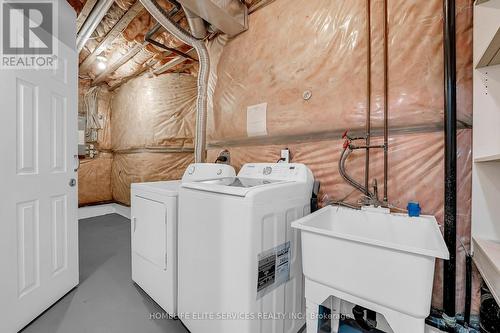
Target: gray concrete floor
[(106, 301)]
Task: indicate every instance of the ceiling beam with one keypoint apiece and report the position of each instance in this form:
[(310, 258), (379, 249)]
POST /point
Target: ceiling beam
[(117, 29), (128, 56), (147, 65), (82, 17), (113, 67), (174, 62)]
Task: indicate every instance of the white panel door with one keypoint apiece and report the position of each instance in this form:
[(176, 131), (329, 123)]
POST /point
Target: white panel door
[(38, 200)]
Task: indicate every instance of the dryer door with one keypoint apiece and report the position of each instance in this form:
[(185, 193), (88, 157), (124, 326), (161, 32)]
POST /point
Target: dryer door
[(149, 231)]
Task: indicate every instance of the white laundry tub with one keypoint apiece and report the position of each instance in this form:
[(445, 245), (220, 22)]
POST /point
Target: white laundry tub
[(384, 262)]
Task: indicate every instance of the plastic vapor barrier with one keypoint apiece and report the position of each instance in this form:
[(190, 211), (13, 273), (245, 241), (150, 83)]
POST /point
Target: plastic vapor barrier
[(321, 46), (145, 167), (152, 112), (104, 112), (94, 175), (146, 124), (94, 180)]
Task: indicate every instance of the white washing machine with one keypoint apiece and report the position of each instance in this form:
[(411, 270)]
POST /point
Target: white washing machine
[(154, 233), (239, 258)]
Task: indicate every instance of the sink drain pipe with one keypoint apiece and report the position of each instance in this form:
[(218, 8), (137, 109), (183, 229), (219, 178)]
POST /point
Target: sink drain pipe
[(450, 152), (199, 45)]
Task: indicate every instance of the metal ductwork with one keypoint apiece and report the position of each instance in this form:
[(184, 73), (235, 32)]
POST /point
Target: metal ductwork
[(95, 17), (196, 24), (199, 45), (227, 16)]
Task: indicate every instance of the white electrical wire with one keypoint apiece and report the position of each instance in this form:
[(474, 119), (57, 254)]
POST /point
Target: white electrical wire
[(91, 112)]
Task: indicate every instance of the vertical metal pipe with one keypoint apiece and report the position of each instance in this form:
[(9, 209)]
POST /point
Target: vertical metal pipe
[(204, 60), (368, 94), (95, 17), (450, 132), (468, 288), (386, 97)]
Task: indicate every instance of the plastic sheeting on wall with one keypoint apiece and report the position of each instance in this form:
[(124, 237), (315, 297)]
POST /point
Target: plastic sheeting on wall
[(415, 173), (321, 46), (94, 175), (144, 113), (94, 180), (104, 112), (103, 109), (145, 167), (152, 112)]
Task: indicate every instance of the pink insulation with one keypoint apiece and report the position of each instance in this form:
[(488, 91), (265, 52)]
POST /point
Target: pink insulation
[(326, 54), (145, 167), (94, 180), (94, 175), (154, 112), (110, 19), (151, 114)]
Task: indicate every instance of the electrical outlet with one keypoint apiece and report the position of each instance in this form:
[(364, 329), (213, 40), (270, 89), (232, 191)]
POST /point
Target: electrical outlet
[(285, 155), (227, 155)]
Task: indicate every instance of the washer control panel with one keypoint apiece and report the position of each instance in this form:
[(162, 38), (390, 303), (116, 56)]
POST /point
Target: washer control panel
[(202, 171), (276, 171)]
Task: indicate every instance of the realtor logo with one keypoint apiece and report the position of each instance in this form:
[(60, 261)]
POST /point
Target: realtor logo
[(28, 34)]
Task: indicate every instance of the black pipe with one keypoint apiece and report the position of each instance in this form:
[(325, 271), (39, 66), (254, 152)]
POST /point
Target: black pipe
[(149, 35), (468, 288), (450, 151)]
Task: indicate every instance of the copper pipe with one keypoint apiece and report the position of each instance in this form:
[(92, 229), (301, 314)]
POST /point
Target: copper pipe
[(386, 97), (369, 93)]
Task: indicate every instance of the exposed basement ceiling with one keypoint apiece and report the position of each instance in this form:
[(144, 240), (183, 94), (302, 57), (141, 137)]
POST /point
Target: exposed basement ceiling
[(120, 39)]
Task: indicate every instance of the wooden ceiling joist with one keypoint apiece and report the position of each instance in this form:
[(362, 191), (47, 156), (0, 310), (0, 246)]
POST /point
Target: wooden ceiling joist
[(117, 29), (128, 56), (123, 60), (146, 66), (84, 14), (174, 62)]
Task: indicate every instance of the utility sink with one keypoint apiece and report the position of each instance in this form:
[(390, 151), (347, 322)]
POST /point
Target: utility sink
[(384, 262)]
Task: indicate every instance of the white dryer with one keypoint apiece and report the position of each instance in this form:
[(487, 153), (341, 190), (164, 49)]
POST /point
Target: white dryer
[(154, 233), (239, 258)]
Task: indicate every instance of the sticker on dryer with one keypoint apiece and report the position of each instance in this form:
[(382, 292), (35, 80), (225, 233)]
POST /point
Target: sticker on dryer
[(273, 269)]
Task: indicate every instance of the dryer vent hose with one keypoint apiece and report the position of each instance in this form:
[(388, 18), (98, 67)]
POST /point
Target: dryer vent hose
[(199, 45)]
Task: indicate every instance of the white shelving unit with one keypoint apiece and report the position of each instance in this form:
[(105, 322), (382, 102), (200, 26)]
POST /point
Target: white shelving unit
[(486, 144)]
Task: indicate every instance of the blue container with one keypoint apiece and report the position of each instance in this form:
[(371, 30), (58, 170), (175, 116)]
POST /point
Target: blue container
[(413, 209)]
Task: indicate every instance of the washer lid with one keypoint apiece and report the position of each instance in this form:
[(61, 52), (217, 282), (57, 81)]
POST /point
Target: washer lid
[(168, 188), (239, 186)]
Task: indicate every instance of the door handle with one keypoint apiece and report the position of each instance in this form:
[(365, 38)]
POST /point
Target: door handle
[(77, 160), (72, 182)]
